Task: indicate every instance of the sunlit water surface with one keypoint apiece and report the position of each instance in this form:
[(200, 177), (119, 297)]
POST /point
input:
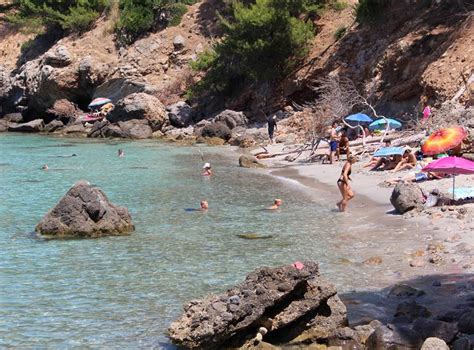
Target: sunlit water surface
[(123, 292)]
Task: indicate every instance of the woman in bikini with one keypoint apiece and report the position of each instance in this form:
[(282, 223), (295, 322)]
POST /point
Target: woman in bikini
[(343, 184)]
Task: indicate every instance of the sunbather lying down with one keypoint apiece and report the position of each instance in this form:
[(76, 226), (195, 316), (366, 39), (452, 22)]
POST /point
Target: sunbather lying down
[(387, 163), (416, 177)]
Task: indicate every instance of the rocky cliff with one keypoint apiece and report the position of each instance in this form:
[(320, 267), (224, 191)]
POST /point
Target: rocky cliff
[(421, 51)]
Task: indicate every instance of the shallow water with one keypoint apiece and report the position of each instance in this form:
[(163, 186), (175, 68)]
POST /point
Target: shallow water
[(122, 292)]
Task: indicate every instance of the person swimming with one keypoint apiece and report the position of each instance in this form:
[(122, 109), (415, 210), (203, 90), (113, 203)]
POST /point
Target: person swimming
[(276, 204), (45, 167), (121, 153), (207, 171), (204, 205)]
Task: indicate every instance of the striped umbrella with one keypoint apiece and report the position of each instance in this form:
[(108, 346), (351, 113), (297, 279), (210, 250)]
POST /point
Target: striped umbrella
[(443, 140), (100, 101), (381, 124)]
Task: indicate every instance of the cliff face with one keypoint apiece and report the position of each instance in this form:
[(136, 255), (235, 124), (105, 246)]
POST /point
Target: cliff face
[(421, 52)]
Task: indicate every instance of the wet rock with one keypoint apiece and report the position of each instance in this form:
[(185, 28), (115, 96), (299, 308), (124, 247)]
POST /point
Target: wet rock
[(249, 161), (58, 56), (217, 129), (365, 331), (434, 344), (394, 337), (433, 328), (139, 106), (36, 125), (85, 212), (242, 141), (53, 125), (406, 197), (404, 291), (452, 315), (410, 311), (180, 114), (75, 129), (262, 302), (466, 323), (231, 118)]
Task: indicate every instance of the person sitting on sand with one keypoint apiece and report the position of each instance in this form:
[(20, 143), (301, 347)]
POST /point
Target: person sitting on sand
[(204, 205), (343, 147), (387, 163), (343, 184), (121, 153), (207, 171), (373, 161), (276, 204), (415, 177), (408, 161)]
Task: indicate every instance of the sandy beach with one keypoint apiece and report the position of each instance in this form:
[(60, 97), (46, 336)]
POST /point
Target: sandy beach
[(431, 250)]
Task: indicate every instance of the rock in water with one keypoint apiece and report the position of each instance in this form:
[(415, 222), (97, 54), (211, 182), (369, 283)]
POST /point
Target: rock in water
[(249, 161), (406, 197), (85, 212), (285, 300)]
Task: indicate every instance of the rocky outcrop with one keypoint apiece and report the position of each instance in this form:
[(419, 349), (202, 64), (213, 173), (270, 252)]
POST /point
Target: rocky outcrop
[(59, 56), (53, 126), (180, 114), (140, 106), (36, 125), (217, 129), (63, 109), (249, 161), (406, 197), (85, 212), (231, 118), (132, 129), (394, 337), (272, 304)]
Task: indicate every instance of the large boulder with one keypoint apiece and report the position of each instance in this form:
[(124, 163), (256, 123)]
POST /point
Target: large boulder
[(131, 129), (63, 109), (139, 106), (434, 344), (58, 56), (217, 129), (434, 328), (283, 300), (231, 118), (180, 114), (53, 125), (249, 161), (36, 125), (406, 197), (394, 337), (85, 212)]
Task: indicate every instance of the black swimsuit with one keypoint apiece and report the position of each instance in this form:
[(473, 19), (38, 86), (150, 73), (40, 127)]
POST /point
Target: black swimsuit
[(341, 178)]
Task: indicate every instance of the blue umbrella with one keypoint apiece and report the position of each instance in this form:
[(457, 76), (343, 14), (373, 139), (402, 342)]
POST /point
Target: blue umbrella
[(359, 117), (381, 124), (389, 151)]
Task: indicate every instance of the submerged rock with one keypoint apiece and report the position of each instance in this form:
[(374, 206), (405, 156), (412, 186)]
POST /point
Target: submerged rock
[(273, 304), (249, 161), (85, 212)]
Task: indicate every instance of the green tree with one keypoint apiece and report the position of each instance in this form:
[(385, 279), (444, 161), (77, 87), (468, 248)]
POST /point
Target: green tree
[(263, 41)]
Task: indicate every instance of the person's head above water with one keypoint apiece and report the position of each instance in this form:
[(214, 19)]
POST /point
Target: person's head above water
[(207, 166), (204, 205), (121, 153), (278, 202), (45, 167)]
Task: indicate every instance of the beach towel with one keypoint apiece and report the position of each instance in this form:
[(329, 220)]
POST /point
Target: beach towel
[(463, 192)]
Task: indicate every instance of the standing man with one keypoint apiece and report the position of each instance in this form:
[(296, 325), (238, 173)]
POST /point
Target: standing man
[(272, 125), (333, 138)]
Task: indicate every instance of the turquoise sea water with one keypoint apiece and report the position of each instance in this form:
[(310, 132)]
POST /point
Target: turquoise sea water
[(123, 292)]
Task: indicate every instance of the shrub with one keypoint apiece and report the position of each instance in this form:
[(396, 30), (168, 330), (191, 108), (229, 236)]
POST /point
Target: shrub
[(67, 15), (370, 10), (339, 33), (339, 5), (263, 42)]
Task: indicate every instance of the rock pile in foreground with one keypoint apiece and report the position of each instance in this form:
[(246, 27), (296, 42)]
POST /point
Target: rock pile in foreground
[(276, 305), (85, 212)]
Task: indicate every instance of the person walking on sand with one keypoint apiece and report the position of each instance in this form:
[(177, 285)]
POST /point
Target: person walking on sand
[(276, 204), (343, 184), (272, 126), (333, 138)]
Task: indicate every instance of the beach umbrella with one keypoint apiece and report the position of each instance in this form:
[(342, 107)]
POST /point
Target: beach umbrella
[(381, 124), (443, 140), (99, 102), (451, 165), (359, 117), (389, 151)]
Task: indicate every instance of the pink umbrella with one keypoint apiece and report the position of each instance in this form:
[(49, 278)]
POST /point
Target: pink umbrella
[(451, 165)]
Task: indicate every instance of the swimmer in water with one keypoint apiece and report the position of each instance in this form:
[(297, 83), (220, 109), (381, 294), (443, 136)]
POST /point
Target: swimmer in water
[(276, 204), (121, 153), (45, 167), (204, 205), (206, 170)]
